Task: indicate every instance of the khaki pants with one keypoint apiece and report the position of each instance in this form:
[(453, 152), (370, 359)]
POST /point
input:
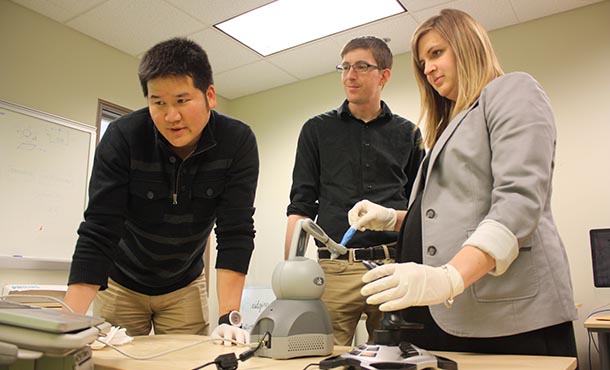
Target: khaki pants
[(344, 302), (184, 311)]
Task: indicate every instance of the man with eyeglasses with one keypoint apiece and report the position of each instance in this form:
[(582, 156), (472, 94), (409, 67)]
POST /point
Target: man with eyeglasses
[(360, 150)]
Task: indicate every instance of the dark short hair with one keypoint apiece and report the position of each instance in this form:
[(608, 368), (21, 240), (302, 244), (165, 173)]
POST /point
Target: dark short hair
[(176, 57), (380, 49)]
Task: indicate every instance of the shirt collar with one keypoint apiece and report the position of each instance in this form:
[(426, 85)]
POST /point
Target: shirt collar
[(206, 140), (344, 112)]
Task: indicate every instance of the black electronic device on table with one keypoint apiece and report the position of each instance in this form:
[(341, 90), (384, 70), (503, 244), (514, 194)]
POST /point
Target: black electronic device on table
[(387, 350)]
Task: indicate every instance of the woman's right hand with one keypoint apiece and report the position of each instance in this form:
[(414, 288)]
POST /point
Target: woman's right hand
[(366, 215)]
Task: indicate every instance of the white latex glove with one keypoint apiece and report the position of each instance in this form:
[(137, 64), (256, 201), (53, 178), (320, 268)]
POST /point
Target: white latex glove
[(117, 336), (400, 285), (227, 332), (366, 215)]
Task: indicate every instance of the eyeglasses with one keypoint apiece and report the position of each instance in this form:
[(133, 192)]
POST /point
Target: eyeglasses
[(359, 67)]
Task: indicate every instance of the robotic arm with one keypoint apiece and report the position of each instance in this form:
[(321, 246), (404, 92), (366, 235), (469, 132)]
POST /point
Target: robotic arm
[(298, 245)]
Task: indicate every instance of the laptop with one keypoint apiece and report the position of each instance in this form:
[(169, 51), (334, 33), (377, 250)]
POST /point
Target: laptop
[(44, 319)]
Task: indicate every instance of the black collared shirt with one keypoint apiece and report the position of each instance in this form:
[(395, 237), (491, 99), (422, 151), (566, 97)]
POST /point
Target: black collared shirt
[(341, 160)]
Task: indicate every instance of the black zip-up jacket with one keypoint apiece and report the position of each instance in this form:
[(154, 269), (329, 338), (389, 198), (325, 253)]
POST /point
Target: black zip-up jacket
[(150, 213)]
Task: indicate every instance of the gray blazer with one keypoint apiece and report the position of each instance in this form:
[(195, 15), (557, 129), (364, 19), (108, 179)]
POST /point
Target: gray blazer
[(495, 161)]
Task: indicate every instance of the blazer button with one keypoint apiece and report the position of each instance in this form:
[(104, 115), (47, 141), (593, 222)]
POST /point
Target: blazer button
[(431, 250), (150, 194), (209, 192), (430, 213)]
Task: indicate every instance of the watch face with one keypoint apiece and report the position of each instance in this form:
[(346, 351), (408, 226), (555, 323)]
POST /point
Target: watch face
[(235, 318)]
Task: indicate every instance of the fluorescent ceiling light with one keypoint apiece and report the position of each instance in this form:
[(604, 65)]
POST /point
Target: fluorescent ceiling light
[(283, 24)]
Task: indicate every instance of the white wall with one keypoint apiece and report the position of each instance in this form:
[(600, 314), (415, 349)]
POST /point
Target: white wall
[(49, 67)]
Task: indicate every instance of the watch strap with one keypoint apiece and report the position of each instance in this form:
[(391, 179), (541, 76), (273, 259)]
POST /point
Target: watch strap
[(226, 319)]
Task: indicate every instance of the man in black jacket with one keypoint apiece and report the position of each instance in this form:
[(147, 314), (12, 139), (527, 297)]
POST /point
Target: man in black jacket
[(163, 176)]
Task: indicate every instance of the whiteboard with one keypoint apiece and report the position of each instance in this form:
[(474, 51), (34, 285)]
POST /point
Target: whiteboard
[(45, 165)]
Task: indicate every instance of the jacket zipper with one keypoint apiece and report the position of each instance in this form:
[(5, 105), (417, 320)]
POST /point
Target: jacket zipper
[(176, 183)]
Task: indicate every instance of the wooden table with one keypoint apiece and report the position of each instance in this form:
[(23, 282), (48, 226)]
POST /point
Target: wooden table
[(600, 324), (198, 354)]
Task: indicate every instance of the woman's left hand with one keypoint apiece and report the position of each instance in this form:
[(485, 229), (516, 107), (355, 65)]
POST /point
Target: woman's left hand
[(400, 285)]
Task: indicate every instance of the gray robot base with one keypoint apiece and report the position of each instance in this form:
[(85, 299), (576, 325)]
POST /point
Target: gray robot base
[(296, 327)]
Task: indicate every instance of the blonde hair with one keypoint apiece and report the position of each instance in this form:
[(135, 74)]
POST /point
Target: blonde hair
[(476, 64)]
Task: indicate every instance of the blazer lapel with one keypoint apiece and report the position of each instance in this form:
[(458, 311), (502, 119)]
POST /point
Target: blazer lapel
[(440, 143)]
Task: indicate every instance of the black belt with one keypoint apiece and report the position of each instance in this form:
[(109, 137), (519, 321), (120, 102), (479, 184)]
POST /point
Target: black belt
[(358, 254)]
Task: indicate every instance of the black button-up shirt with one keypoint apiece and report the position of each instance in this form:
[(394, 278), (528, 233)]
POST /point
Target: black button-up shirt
[(341, 160)]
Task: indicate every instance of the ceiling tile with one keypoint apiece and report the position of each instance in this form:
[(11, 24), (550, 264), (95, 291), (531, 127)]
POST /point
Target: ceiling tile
[(415, 5), (211, 12), (224, 52), (136, 25), (249, 79), (398, 29), (527, 10), (59, 10), (492, 14), (133, 26), (309, 60)]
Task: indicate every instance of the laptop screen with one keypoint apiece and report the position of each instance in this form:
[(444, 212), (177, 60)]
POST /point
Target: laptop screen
[(600, 254)]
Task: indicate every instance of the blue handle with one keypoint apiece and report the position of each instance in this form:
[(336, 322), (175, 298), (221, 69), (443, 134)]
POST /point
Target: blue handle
[(348, 235)]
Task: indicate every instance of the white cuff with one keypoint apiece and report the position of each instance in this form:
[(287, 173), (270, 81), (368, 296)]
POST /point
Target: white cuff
[(496, 240), (456, 283)]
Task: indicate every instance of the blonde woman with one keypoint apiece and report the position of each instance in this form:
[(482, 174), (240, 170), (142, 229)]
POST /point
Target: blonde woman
[(482, 263)]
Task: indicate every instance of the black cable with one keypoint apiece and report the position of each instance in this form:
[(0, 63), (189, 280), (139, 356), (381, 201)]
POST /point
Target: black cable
[(246, 354), (249, 353), (226, 361), (229, 361), (590, 336), (589, 348), (307, 367), (594, 343), (205, 365)]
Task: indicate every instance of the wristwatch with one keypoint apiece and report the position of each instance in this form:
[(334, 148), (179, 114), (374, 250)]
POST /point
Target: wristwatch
[(232, 318)]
